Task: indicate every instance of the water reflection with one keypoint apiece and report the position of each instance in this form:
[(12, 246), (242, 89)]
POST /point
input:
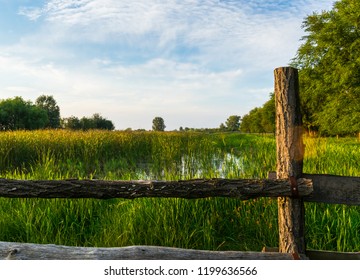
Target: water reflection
[(190, 167)]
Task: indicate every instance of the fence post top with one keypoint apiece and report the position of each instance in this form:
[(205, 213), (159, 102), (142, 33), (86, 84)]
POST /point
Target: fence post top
[(285, 67)]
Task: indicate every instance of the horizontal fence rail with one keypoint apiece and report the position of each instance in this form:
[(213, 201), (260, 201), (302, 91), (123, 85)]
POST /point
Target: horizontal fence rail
[(313, 188), (200, 188), (332, 189), (323, 255), (29, 251)]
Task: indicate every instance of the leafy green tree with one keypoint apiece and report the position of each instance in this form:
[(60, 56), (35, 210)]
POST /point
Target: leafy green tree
[(245, 125), (268, 115), (260, 119), (48, 103), (71, 123), (158, 124), (19, 114), (251, 122), (330, 69), (37, 118), (102, 123), (233, 123), (222, 127), (85, 123)]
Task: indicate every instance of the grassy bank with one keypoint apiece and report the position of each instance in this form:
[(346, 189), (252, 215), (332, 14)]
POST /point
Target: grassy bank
[(224, 224)]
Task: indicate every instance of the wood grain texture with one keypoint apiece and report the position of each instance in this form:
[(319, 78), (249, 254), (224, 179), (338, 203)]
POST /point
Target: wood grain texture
[(323, 255), (290, 153), (330, 255), (334, 189), (29, 251), (199, 188)]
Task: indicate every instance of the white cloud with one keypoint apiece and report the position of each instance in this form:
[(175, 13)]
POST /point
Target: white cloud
[(31, 13), (224, 33), (193, 61), (194, 21)]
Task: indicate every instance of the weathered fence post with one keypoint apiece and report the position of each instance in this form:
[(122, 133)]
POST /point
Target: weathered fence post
[(289, 151)]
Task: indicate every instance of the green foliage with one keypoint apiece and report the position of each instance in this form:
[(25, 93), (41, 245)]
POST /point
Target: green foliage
[(233, 123), (214, 223), (158, 124), (19, 114), (260, 120), (48, 103), (71, 123), (202, 224), (102, 123), (95, 122), (329, 66), (222, 127)]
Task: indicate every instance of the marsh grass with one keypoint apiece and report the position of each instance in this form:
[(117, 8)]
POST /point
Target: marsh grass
[(332, 227), (216, 223)]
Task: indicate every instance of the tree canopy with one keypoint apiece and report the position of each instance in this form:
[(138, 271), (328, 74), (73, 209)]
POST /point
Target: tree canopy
[(16, 113), (158, 124), (233, 123), (85, 123), (48, 103), (329, 74), (329, 64), (260, 120)]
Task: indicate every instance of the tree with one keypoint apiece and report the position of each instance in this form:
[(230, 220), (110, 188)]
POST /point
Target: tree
[(102, 123), (48, 103), (85, 123), (245, 125), (222, 127), (19, 114), (71, 123), (233, 123), (37, 118), (158, 124), (268, 115), (251, 122), (330, 69), (260, 120)]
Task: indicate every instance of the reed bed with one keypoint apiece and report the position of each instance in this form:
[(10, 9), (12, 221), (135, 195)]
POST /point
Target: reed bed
[(216, 223)]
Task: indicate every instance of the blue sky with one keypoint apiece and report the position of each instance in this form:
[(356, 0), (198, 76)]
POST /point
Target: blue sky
[(192, 62)]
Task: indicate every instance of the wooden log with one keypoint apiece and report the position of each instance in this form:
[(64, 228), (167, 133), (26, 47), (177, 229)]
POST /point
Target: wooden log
[(29, 251), (322, 255), (330, 255), (290, 152), (199, 188), (332, 189)]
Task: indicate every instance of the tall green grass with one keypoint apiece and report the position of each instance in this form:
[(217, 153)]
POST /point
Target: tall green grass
[(332, 227), (216, 223)]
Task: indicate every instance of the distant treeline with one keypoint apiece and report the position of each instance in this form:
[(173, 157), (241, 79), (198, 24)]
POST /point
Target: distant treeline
[(260, 119), (94, 122), (18, 114)]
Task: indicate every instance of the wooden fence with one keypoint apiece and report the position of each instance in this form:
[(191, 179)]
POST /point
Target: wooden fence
[(289, 184)]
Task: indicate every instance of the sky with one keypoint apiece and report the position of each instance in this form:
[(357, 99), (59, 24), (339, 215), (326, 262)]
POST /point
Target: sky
[(192, 62)]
